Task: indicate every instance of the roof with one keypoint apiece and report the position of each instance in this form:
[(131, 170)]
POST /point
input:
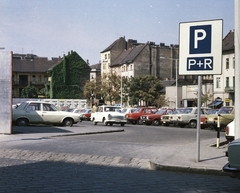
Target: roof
[(96, 66), (112, 45), (129, 55), (32, 63), (228, 42)]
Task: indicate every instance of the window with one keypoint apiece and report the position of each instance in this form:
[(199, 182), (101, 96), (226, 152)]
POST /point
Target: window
[(39, 78), (218, 80), (227, 63), (45, 79), (233, 62), (33, 79), (104, 66), (227, 81), (105, 56), (234, 82)]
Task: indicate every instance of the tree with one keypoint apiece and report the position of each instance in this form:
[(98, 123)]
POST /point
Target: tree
[(204, 97), (29, 92), (161, 101), (110, 87), (144, 89)]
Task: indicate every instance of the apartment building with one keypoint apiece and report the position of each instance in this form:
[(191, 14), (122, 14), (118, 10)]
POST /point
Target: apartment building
[(29, 69), (224, 84)]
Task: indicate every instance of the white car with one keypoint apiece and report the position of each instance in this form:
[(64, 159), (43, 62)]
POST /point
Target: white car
[(233, 153), (230, 132), (40, 112), (108, 115)]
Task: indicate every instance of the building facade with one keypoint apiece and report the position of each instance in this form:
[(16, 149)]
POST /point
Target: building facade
[(29, 69)]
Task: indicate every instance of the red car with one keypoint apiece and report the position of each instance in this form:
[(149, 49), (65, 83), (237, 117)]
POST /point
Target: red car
[(86, 115), (203, 118), (156, 118), (134, 117)]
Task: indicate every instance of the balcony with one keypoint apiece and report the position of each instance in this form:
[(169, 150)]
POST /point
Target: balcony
[(229, 89), (25, 83)]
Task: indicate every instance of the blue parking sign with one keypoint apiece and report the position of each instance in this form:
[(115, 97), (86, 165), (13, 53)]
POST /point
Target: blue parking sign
[(200, 39)]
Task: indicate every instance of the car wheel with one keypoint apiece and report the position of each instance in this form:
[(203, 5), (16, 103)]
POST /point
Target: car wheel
[(122, 124), (68, 122), (181, 125), (22, 122), (111, 124), (156, 122), (166, 124), (134, 122), (193, 124)]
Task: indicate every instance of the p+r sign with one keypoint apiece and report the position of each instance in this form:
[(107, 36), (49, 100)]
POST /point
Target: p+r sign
[(200, 48)]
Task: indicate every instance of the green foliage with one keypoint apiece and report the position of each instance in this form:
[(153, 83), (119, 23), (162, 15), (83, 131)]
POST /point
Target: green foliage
[(29, 92), (111, 88), (144, 88), (69, 77)]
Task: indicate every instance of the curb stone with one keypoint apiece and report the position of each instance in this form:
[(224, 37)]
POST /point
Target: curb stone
[(188, 169)]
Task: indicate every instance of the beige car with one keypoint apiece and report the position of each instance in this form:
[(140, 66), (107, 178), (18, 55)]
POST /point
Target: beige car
[(40, 112), (225, 115)]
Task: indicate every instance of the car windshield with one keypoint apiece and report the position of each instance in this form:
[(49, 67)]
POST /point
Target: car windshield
[(225, 110), (212, 111), (112, 109), (177, 111), (187, 111), (160, 111)]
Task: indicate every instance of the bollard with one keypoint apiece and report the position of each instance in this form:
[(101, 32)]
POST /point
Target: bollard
[(218, 131)]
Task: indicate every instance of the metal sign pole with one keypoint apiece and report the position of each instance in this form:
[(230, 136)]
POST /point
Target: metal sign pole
[(199, 105)]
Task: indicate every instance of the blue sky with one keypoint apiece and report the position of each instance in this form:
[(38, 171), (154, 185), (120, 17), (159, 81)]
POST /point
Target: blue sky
[(51, 28)]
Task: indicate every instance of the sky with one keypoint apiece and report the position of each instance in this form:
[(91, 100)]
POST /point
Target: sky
[(51, 28)]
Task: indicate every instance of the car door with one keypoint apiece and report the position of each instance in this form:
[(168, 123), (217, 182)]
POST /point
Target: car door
[(33, 112), (49, 114)]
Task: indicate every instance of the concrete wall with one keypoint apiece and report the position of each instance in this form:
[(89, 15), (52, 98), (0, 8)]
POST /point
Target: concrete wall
[(6, 92)]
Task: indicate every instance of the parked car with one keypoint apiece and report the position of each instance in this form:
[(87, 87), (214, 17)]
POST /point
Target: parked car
[(188, 117), (156, 118), (108, 115), (85, 114), (230, 131), (127, 110), (40, 112), (233, 153), (167, 119), (226, 115), (203, 122), (134, 117)]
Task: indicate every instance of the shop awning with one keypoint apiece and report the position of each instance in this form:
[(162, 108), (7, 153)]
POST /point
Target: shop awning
[(215, 103)]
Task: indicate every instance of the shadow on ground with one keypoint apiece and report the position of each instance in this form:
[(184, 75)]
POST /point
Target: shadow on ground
[(39, 129), (59, 176)]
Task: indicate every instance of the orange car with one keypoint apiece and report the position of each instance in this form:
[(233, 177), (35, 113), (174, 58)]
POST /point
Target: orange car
[(134, 117), (156, 118)]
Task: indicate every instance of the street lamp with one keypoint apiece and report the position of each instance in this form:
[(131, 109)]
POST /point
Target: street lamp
[(176, 60)]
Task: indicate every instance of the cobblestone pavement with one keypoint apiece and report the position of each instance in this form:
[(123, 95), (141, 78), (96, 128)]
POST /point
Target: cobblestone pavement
[(49, 172)]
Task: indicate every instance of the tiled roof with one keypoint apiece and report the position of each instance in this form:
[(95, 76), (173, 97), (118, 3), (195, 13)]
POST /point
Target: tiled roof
[(112, 45), (32, 63), (228, 42), (128, 55)]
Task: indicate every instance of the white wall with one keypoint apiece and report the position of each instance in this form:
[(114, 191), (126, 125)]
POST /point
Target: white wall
[(6, 92)]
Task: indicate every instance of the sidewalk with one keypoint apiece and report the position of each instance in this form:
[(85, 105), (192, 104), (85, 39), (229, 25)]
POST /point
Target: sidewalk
[(179, 157)]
